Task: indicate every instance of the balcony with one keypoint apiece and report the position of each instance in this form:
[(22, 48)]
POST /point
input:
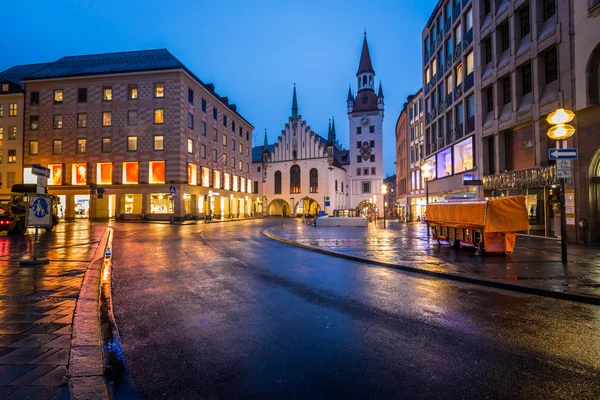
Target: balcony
[(440, 142), (458, 51)]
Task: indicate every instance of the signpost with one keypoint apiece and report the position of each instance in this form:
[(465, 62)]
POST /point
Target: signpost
[(39, 215), (327, 202), (563, 168), (42, 174), (562, 154)]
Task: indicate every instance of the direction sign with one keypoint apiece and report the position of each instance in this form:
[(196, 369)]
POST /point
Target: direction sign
[(40, 171), (39, 212), (327, 203), (172, 190), (564, 154), (563, 169)]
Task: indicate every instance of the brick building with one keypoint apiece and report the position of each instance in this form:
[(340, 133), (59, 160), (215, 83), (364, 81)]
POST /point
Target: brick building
[(136, 124)]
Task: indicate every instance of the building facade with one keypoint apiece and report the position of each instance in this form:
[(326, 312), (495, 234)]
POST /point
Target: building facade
[(416, 202), (402, 167), (141, 126), (365, 115), (493, 71), (301, 171), (11, 124)]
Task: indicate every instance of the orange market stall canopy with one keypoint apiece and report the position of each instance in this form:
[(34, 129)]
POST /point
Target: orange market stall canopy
[(489, 225)]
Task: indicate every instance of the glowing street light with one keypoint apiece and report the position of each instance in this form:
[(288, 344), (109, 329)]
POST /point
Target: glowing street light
[(384, 192), (560, 116)]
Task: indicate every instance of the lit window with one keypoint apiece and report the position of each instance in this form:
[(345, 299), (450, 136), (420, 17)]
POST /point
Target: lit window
[(192, 174), (433, 67), (217, 179), (240, 165), (12, 156), (459, 74), (58, 96), (57, 146), (12, 133), (79, 174), (12, 109), (469, 23), (159, 116), (157, 172), (34, 122), (107, 94), (241, 148), (132, 143), (250, 186), (463, 155), (130, 172), (34, 146), (107, 118), (57, 121), (224, 140), (226, 180), (106, 145), (224, 158), (159, 90), (159, 141), (458, 34), (1, 133), (56, 174), (243, 185), (190, 146), (81, 120), (205, 176), (449, 84), (469, 63), (235, 183), (133, 92), (81, 146), (104, 173)]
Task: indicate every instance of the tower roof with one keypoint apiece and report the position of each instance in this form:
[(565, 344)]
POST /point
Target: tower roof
[(294, 104), (333, 139), (365, 59)]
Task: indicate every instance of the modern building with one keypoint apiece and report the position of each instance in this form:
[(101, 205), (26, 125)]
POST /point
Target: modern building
[(416, 201), (141, 126), (11, 124), (402, 169), (302, 169), (493, 71), (586, 20)]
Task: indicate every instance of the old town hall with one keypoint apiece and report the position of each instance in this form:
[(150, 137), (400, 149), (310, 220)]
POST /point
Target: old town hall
[(304, 172)]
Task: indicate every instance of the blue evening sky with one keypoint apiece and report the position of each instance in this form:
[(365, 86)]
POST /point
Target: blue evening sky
[(253, 51)]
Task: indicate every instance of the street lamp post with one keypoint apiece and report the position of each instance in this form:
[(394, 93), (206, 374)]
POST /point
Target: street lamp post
[(384, 192), (560, 132)]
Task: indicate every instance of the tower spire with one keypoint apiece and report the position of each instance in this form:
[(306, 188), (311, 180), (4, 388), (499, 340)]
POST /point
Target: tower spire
[(266, 143), (333, 139), (294, 104), (380, 92), (365, 65), (350, 97), (329, 134)]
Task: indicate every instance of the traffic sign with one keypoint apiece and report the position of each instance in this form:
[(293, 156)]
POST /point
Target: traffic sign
[(172, 190), (41, 184), (563, 169), (39, 212), (564, 154), (40, 171), (327, 204), (326, 198)]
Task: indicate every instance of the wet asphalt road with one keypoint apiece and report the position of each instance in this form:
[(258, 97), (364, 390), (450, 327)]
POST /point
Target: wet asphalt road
[(220, 311)]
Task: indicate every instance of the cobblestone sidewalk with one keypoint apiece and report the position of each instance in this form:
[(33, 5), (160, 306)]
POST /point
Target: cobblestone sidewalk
[(536, 262), (37, 304)]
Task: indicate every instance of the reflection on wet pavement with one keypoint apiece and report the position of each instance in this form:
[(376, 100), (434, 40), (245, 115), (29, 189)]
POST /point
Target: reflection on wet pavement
[(536, 262)]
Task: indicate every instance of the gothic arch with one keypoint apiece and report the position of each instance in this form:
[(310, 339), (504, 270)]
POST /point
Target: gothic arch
[(295, 179), (593, 77), (279, 207)]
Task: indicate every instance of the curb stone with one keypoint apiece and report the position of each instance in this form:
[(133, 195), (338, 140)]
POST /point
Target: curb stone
[(453, 277), (86, 363)]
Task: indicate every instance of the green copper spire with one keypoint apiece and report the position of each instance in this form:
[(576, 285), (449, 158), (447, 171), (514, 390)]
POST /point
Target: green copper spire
[(294, 104)]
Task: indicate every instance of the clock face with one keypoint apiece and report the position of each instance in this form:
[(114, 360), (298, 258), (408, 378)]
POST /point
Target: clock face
[(365, 121)]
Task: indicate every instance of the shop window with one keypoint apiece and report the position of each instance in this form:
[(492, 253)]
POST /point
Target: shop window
[(79, 174), (444, 163), (157, 172), (56, 174), (192, 174), (463, 155), (104, 173), (205, 177), (130, 172), (160, 203)]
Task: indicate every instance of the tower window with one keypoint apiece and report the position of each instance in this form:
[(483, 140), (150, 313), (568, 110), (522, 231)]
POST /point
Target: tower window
[(364, 80), (358, 130), (372, 129)]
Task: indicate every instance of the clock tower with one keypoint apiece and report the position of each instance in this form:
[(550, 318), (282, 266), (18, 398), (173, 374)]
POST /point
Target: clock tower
[(365, 114)]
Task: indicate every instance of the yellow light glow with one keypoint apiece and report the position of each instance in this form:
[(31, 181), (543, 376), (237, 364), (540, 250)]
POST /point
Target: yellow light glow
[(560, 116), (561, 132)]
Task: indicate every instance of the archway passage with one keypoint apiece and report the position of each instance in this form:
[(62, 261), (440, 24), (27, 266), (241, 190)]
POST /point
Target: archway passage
[(307, 206), (279, 207), (366, 208)]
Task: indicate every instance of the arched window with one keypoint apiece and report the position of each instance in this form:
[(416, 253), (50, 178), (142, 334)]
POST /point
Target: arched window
[(593, 76), (277, 182), (336, 185), (295, 179), (364, 80), (314, 180)]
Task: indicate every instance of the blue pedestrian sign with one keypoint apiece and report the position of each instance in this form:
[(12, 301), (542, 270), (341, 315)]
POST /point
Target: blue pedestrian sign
[(39, 213), (562, 154), (172, 190), (327, 203)]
